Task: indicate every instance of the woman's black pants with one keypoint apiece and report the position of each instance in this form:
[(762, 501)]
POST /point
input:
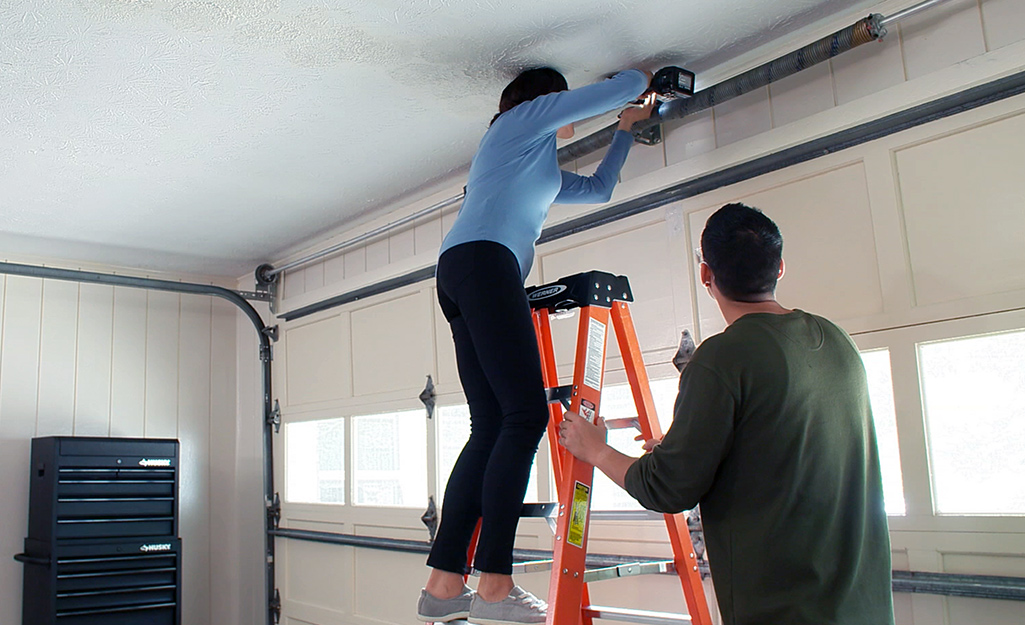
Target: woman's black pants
[(481, 294)]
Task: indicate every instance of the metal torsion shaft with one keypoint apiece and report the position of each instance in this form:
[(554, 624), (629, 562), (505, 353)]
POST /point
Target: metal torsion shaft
[(863, 31)]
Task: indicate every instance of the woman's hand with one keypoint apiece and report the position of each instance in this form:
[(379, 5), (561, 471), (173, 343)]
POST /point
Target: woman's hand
[(633, 114)]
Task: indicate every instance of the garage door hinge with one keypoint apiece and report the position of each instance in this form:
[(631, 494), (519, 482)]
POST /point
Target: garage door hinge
[(274, 512), (427, 397), (430, 517), (685, 351), (275, 606), (266, 353), (274, 418)]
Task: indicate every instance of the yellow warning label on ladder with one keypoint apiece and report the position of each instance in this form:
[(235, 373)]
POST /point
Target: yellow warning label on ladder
[(578, 518)]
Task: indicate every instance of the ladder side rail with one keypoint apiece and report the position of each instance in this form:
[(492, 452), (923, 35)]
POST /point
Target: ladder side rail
[(686, 563), (471, 551), (676, 524), (550, 375), (636, 374), (566, 589)]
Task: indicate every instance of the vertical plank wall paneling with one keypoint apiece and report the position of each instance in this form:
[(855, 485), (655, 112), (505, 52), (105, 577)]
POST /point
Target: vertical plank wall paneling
[(19, 368), (93, 360)]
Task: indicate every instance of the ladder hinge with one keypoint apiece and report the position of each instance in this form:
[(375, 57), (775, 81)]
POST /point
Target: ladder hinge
[(275, 606), (274, 418), (274, 512), (427, 397)]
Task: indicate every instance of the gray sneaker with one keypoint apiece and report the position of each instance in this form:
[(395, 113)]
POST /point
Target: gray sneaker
[(518, 608), (431, 609)]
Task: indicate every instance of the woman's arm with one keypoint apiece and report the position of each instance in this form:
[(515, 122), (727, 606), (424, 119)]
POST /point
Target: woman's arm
[(554, 110), (597, 188)]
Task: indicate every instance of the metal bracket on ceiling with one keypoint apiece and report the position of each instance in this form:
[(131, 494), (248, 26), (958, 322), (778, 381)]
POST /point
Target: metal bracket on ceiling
[(257, 296), (650, 136), (267, 284)]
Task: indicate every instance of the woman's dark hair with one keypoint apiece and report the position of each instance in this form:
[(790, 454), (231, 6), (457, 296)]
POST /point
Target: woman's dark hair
[(530, 84), (743, 248)]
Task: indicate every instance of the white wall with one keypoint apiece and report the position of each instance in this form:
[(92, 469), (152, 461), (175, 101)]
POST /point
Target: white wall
[(95, 360), (897, 240)]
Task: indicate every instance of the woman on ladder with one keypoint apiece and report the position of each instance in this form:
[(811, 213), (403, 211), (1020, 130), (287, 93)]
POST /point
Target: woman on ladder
[(485, 258)]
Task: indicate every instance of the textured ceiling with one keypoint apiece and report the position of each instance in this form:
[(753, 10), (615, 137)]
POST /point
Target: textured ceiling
[(207, 136)]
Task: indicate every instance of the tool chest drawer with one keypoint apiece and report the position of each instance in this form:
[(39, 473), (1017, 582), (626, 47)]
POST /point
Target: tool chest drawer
[(133, 582)]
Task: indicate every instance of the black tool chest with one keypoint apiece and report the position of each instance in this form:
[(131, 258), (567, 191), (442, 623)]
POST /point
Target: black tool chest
[(103, 546)]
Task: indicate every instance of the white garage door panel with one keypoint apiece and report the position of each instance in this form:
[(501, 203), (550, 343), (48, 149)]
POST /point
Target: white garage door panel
[(380, 593), (392, 345), (968, 611), (985, 564), (642, 255), (317, 361), (319, 575), (831, 274), (964, 209)]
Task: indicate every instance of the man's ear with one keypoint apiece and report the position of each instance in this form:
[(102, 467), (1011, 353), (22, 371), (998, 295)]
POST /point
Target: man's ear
[(706, 274), (782, 269)]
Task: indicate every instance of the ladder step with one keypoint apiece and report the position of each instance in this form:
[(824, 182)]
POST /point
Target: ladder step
[(644, 617), (629, 570), (623, 424)]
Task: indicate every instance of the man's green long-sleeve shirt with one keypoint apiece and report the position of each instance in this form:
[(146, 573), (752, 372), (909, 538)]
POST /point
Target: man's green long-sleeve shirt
[(772, 434)]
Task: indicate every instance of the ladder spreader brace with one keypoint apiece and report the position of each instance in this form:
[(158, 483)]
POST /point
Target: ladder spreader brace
[(601, 297)]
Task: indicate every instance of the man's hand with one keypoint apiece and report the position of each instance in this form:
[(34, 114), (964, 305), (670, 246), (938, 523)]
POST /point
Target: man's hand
[(650, 443), (584, 440)]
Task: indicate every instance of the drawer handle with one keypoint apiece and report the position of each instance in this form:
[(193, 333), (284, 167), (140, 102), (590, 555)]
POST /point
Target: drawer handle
[(24, 558), (130, 608)]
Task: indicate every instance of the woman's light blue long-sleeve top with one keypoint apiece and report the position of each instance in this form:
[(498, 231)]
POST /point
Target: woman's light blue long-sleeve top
[(515, 175)]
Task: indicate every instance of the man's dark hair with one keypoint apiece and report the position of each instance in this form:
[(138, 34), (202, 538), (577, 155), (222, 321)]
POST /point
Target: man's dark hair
[(743, 249), (530, 84)]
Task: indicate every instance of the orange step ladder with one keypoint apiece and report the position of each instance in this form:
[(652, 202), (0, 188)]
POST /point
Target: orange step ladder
[(601, 297)]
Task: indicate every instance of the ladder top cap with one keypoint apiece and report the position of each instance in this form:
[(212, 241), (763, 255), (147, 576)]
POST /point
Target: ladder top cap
[(591, 288)]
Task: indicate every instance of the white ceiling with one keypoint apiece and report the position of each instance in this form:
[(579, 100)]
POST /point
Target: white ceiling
[(207, 136)]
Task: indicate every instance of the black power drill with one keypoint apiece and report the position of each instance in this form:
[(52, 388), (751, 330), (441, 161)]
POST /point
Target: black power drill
[(672, 83)]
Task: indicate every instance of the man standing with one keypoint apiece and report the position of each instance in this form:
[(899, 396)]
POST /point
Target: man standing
[(772, 434)]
